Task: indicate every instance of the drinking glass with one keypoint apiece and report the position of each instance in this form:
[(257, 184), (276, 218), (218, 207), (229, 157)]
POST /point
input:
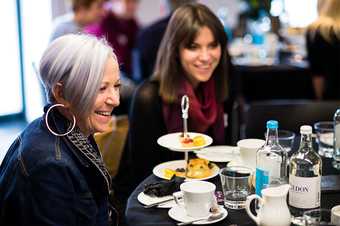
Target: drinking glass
[(317, 217), (335, 212), (286, 139), (236, 185), (324, 137), (336, 159)]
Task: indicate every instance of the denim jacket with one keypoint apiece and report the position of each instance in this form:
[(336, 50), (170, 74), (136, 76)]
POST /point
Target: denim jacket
[(45, 180)]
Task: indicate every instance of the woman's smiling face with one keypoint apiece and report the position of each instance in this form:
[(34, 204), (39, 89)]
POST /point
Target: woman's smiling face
[(200, 59), (107, 99)]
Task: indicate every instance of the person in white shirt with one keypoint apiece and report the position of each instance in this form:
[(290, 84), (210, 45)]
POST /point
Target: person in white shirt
[(84, 13)]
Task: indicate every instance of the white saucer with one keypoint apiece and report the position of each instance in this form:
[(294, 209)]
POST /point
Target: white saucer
[(159, 169), (148, 200), (221, 153), (178, 213), (172, 141)]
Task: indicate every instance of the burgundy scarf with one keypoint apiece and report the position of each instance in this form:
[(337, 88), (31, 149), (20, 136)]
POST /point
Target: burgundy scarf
[(205, 113)]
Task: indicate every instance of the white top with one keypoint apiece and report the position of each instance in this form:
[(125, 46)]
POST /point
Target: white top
[(64, 25), (305, 129)]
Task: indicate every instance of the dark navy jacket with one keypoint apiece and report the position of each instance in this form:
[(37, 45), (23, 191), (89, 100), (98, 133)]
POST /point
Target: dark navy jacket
[(45, 180)]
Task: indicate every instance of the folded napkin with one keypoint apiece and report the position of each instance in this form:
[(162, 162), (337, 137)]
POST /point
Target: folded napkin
[(163, 188)]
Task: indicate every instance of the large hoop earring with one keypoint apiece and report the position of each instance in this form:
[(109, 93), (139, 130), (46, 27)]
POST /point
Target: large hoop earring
[(48, 126)]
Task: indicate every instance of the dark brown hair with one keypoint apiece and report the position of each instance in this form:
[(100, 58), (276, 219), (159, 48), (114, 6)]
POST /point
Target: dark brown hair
[(182, 29), (77, 4)]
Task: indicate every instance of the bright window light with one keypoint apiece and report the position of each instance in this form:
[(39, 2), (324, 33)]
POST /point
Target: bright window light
[(276, 7), (300, 13), (36, 30), (10, 82)]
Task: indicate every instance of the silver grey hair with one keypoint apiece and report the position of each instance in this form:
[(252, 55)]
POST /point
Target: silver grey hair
[(77, 61)]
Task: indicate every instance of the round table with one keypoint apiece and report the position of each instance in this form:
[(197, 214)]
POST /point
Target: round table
[(136, 214)]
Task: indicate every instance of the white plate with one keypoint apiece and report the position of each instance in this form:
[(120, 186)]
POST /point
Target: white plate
[(172, 141), (238, 162), (220, 153), (178, 213), (148, 200), (159, 169)]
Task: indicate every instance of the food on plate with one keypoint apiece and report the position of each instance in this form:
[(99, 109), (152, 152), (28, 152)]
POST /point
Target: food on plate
[(196, 141), (196, 169), (186, 142), (199, 168), (199, 140), (169, 173)]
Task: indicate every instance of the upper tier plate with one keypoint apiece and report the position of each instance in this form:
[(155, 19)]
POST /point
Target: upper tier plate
[(172, 141)]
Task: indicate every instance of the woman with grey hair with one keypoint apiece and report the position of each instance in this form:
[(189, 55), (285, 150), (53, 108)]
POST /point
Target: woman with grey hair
[(53, 173)]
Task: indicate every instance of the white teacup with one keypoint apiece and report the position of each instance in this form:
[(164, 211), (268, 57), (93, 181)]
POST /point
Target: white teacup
[(248, 149), (335, 215), (198, 197)]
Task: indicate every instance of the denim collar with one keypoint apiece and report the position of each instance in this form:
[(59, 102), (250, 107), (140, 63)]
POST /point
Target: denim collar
[(87, 151)]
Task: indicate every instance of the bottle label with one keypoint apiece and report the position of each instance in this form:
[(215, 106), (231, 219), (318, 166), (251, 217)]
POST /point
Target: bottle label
[(262, 180), (337, 136), (304, 192)]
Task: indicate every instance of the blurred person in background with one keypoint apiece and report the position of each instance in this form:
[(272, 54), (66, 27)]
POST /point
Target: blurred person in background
[(84, 13), (119, 27), (53, 173), (149, 39), (192, 60), (323, 50)]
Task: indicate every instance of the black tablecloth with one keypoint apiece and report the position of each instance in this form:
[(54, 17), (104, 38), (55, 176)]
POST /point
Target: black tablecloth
[(136, 215)]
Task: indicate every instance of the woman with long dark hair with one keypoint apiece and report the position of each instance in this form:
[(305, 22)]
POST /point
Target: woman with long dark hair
[(192, 60)]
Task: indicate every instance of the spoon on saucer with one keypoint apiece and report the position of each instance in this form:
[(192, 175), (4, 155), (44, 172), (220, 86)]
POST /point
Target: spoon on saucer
[(210, 217)]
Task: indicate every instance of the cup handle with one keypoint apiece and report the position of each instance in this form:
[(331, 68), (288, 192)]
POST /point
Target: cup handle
[(177, 197), (250, 198), (214, 204)]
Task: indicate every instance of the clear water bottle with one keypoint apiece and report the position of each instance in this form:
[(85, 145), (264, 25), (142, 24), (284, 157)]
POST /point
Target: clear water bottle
[(304, 177), (271, 161), (336, 153)]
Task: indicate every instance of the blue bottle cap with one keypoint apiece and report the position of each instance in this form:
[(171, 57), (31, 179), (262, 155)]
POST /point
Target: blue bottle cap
[(272, 124)]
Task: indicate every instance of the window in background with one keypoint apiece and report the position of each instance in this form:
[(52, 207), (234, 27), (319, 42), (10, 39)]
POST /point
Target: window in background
[(10, 80), (36, 28), (300, 13), (276, 7)]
